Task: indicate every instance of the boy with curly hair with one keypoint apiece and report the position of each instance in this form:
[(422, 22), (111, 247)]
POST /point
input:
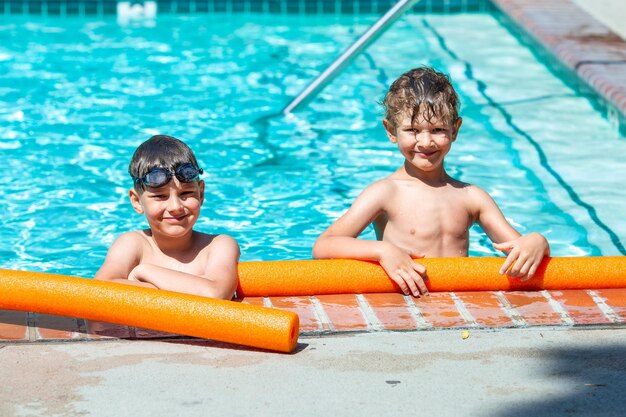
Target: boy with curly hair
[(419, 210)]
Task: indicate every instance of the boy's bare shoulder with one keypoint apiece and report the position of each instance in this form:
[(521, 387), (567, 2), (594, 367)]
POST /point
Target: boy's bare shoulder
[(210, 241), (128, 248), (475, 191), (133, 237), (466, 187), (475, 197), (382, 187)]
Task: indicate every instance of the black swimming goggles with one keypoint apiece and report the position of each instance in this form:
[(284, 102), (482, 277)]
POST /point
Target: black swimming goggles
[(158, 177)]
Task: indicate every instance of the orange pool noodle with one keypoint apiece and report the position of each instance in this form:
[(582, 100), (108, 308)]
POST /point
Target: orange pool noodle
[(190, 315), (340, 276)]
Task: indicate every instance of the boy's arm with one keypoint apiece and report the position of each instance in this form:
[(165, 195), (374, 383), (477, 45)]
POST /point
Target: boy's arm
[(123, 256), (340, 241), (524, 253), (219, 279)]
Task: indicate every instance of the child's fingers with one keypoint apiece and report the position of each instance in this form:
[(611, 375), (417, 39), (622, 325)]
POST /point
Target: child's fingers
[(397, 276), (418, 255), (403, 286), (510, 260), (409, 281), (420, 277), (420, 269), (517, 268), (419, 283), (504, 246), (520, 268), (529, 269), (532, 270)]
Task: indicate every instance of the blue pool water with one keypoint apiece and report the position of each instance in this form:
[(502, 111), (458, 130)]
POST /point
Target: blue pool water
[(77, 95)]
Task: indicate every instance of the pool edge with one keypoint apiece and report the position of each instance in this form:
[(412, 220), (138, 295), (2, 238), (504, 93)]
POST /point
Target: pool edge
[(587, 48)]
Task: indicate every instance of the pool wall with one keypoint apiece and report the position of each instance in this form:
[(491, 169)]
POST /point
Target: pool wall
[(103, 7)]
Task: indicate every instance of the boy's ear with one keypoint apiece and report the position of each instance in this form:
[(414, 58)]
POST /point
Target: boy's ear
[(135, 201), (391, 130), (201, 185), (456, 126)]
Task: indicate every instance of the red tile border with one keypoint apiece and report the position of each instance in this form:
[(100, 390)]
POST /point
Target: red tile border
[(153, 334), (439, 310), (616, 300), (580, 307), (534, 308), (392, 311), (104, 330), (13, 325), (485, 308), (255, 301), (303, 307), (368, 312), (343, 312), (49, 327)]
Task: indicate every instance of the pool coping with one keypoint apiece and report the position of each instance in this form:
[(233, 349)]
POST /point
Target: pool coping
[(583, 45)]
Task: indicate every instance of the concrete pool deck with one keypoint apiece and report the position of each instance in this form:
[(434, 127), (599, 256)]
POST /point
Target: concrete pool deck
[(504, 373), (527, 354)]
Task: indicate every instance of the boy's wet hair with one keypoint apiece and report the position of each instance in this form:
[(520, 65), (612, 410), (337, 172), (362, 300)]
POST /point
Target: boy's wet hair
[(421, 92), (159, 151)]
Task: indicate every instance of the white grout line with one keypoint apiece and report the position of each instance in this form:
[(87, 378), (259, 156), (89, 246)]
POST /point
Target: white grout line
[(369, 314), (267, 302), (558, 308), (460, 306), (605, 308), (321, 315), (33, 334), (417, 314), (510, 311)]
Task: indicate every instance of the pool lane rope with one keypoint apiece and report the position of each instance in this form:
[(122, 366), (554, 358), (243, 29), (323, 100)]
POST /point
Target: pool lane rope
[(271, 329), (225, 321)]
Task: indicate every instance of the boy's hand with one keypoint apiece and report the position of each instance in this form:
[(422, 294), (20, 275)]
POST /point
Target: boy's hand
[(401, 268), (524, 255)]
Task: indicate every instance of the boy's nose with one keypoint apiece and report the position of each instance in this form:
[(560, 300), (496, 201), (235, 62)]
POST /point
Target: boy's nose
[(174, 203), (423, 138)]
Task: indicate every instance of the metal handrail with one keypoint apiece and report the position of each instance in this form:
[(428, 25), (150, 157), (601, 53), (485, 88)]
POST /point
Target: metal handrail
[(344, 59)]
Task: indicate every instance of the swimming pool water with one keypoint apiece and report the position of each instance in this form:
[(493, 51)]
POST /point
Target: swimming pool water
[(77, 95)]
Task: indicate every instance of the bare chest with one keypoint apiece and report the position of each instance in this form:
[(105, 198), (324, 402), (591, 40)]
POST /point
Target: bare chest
[(439, 221), (192, 262)]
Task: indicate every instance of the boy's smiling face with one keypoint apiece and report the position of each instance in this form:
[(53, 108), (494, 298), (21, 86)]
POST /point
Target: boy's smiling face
[(171, 210), (423, 143)]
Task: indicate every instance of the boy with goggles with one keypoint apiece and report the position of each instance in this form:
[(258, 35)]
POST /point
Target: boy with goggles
[(170, 255)]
